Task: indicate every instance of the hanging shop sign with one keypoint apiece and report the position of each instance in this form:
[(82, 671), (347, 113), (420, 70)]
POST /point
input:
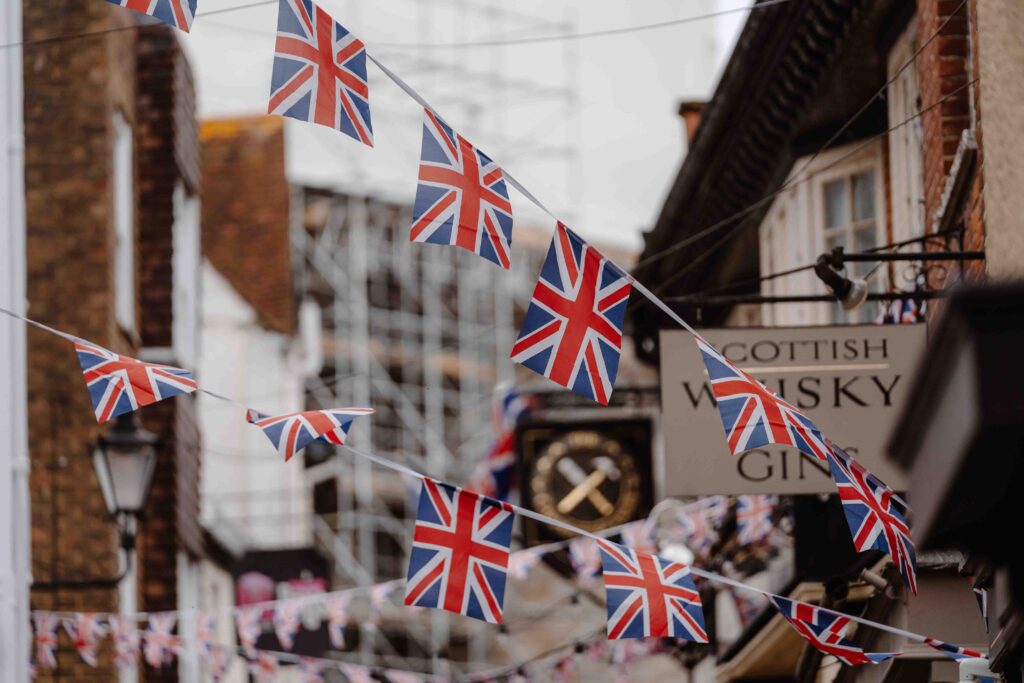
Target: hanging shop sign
[(850, 379)]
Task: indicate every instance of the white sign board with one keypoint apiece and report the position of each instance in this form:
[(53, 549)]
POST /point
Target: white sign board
[(850, 379)]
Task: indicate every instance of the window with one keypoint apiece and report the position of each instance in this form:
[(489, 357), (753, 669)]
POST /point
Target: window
[(185, 264), (851, 208), (124, 224), (906, 166)]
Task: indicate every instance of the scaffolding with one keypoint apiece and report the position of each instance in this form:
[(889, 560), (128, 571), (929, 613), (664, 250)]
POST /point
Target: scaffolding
[(422, 334)]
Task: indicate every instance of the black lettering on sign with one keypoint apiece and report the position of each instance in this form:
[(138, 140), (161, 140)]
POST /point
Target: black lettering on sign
[(755, 465), (843, 389), (882, 347), (886, 390), (696, 398), (809, 397), (815, 465)]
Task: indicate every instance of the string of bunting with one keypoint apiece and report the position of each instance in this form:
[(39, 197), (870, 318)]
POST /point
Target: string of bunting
[(646, 595), (571, 334)]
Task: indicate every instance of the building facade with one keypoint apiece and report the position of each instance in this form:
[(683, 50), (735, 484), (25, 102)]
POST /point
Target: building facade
[(111, 183), (864, 129)]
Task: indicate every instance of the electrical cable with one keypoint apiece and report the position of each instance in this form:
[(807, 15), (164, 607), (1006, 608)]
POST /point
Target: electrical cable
[(793, 181), (533, 40)]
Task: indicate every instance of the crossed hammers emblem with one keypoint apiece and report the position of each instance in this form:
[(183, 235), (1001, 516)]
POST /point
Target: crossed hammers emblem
[(587, 486)]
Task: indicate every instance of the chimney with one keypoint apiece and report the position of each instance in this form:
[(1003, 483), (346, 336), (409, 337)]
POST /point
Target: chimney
[(690, 110)]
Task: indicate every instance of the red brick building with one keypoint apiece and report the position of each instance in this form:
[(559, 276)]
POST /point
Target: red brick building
[(111, 178)]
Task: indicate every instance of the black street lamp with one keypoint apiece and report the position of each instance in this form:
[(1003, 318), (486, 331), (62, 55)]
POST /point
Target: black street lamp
[(125, 460)]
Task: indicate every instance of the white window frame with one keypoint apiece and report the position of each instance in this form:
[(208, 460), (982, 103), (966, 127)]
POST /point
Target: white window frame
[(868, 159), (906, 161), (186, 259), (123, 209)]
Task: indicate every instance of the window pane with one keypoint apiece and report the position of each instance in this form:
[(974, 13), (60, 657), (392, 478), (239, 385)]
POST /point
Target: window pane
[(837, 240), (837, 204), (864, 195), (865, 238)]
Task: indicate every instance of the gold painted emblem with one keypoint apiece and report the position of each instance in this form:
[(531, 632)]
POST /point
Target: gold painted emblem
[(587, 480)]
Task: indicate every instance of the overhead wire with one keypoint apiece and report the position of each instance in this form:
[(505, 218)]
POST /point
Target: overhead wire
[(794, 180), (700, 258)]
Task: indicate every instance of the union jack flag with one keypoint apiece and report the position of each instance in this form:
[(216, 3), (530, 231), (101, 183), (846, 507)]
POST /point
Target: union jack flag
[(47, 625), (981, 595), (639, 536), (218, 661), (287, 622), (754, 518), (126, 640), (337, 619), (176, 13), (459, 558), (248, 623), (85, 631), (319, 72), (461, 198), (312, 671), (265, 668), (521, 562), (119, 384), (752, 414), (716, 509), (648, 596), (953, 651), (495, 476), (826, 631), (292, 432), (206, 632), (572, 333), (160, 644), (874, 521), (585, 557), (692, 522)]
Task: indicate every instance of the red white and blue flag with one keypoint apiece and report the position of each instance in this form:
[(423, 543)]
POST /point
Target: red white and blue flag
[(176, 13), (694, 529), (205, 625), (648, 596), (826, 631), (86, 630), (495, 476), (572, 332), (312, 671), (47, 625), (875, 522), (584, 557), (249, 624), (119, 384), (160, 643), (125, 632), (460, 551), (752, 414), (461, 198), (218, 662), (337, 619), (754, 518), (319, 72), (292, 432), (265, 668), (287, 622), (953, 651)]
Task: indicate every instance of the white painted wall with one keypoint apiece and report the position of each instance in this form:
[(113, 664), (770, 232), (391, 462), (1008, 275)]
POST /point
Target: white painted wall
[(14, 505), (243, 480)]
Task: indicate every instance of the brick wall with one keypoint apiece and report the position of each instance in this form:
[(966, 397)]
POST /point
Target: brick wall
[(168, 152), (946, 66), (246, 215), (72, 89)]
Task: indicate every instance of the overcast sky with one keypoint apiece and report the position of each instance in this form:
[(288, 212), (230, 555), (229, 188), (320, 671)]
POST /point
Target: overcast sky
[(612, 100)]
